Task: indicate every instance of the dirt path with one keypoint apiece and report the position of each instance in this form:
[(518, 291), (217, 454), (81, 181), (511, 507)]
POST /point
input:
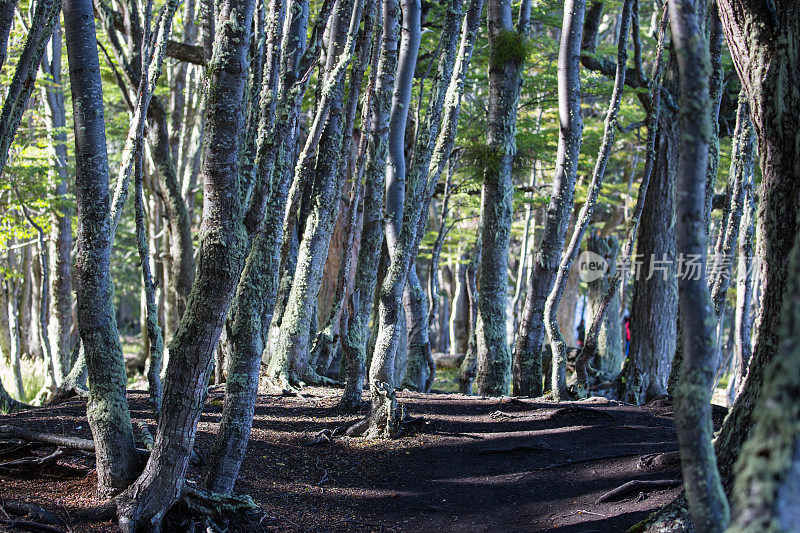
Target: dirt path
[(480, 465)]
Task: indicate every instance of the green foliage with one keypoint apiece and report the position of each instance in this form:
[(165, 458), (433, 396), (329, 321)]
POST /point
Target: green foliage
[(509, 46)]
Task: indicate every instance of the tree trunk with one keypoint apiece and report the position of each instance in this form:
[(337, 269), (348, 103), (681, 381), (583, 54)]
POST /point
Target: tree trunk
[(43, 22), (466, 374), (610, 351), (354, 339), (763, 55), (765, 492), (704, 492), (507, 55), (530, 337), (293, 348), (655, 294), (107, 410), (558, 345), (220, 262), (62, 219)]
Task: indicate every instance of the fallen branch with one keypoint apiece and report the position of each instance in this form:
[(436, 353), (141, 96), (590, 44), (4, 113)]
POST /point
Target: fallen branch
[(636, 486), (70, 443)]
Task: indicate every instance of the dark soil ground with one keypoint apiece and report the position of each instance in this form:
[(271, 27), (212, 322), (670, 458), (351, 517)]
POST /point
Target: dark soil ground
[(478, 465)]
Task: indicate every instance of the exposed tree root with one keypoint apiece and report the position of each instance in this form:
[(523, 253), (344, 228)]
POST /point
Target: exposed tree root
[(386, 419), (636, 486), (657, 460), (47, 439), (518, 448), (35, 517), (193, 499)]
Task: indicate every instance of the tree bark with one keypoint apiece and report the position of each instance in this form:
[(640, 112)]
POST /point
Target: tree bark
[(704, 493), (220, 262), (527, 369), (557, 343), (107, 410), (22, 84), (767, 64), (766, 487), (62, 219)]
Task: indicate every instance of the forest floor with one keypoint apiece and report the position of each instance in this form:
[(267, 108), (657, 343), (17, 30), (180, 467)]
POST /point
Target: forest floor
[(478, 465)]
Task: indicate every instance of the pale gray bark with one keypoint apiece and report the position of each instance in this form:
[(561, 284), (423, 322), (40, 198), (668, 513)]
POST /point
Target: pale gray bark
[(616, 284), (557, 343), (527, 368), (61, 234)]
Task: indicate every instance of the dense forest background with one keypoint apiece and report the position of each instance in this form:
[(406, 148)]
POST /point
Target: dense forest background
[(539, 199)]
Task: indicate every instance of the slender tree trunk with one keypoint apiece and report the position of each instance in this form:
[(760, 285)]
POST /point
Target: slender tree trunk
[(558, 345), (742, 345), (62, 219), (7, 9), (466, 374), (704, 492), (44, 19), (107, 410), (527, 370), (742, 160), (354, 339)]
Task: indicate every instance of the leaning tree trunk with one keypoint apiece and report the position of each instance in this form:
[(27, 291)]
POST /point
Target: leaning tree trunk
[(220, 262), (507, 55), (107, 410), (382, 420), (19, 91), (293, 347), (557, 342), (742, 345), (761, 42), (528, 347), (704, 493)]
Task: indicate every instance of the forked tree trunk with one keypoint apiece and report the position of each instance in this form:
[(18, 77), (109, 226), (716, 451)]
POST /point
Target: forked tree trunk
[(527, 371), (415, 205), (557, 342), (220, 262), (704, 493), (117, 460), (293, 347)]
